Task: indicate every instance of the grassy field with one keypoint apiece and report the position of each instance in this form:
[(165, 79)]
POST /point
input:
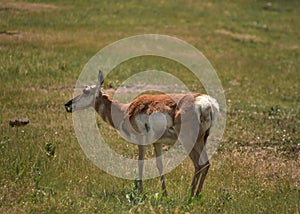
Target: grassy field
[(254, 47)]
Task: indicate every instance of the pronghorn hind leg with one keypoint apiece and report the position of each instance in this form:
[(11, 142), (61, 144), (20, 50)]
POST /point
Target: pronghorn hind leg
[(159, 164), (204, 164), (203, 171), (141, 157), (194, 155)]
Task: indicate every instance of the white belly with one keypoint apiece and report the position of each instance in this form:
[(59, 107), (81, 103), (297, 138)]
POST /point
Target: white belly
[(151, 128), (155, 126)]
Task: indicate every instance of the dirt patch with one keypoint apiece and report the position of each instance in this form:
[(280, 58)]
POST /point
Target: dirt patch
[(239, 36), (24, 6), (290, 47), (17, 36), (59, 38)]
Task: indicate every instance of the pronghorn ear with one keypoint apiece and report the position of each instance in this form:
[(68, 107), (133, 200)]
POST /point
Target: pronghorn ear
[(100, 78)]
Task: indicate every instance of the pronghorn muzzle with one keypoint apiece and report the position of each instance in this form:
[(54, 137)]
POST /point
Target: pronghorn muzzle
[(68, 105)]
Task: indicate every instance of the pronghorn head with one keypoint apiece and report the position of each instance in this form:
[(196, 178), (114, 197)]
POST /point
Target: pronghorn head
[(87, 98)]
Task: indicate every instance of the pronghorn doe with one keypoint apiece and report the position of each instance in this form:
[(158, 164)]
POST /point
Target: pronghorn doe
[(161, 117)]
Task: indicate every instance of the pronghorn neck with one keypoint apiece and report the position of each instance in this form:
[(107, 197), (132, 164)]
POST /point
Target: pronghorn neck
[(104, 106)]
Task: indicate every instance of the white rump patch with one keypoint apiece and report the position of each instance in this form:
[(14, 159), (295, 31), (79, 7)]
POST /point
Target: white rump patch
[(207, 108)]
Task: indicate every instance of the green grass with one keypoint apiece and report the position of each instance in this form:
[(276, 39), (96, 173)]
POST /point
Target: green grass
[(254, 47)]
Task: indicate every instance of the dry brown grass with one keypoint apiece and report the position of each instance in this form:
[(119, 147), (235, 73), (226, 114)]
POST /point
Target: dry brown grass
[(264, 165), (76, 38), (25, 6)]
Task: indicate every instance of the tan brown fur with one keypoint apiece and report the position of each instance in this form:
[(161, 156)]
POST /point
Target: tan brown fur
[(164, 103)]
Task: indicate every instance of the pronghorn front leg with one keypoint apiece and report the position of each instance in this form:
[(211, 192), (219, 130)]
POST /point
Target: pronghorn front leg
[(141, 157), (159, 164)]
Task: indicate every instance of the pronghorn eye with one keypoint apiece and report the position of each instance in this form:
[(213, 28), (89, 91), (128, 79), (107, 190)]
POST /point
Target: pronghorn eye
[(86, 90)]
